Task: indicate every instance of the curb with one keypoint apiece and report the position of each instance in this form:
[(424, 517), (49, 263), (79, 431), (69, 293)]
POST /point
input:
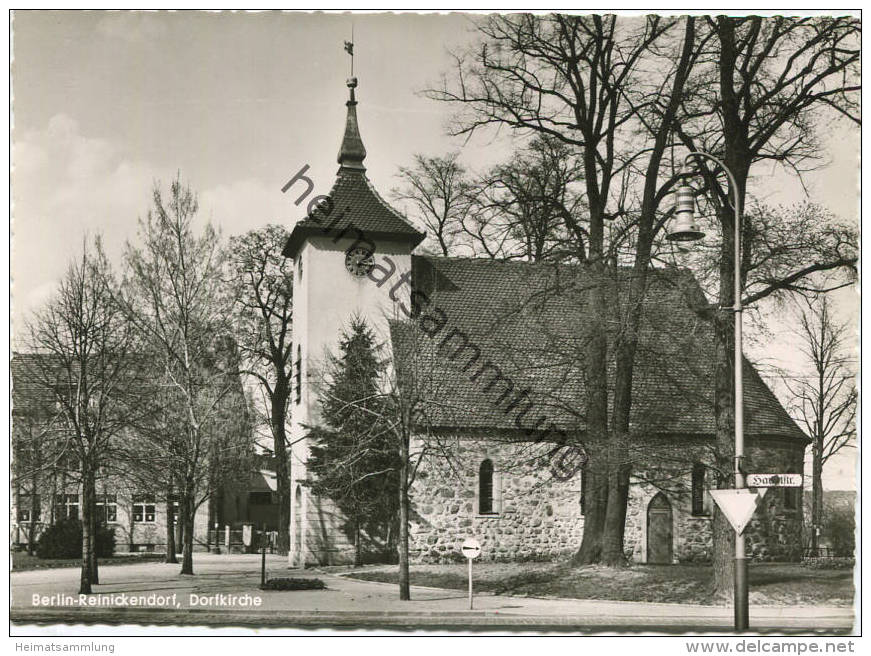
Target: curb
[(411, 621)]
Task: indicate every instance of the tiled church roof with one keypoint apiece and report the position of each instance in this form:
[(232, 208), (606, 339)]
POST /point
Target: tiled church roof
[(355, 204), (528, 320)]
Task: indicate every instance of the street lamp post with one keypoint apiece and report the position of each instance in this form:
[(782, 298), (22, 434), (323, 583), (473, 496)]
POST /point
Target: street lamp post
[(685, 229)]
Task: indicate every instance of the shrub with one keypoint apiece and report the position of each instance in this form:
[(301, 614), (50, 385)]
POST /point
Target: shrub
[(64, 540), (105, 541), (839, 526), (294, 584)]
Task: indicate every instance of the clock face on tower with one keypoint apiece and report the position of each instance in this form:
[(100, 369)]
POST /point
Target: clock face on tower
[(359, 261)]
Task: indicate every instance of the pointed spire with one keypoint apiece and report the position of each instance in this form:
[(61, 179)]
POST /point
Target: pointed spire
[(352, 153)]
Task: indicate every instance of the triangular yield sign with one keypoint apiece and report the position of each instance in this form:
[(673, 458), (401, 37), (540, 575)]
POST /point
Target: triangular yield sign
[(737, 505)]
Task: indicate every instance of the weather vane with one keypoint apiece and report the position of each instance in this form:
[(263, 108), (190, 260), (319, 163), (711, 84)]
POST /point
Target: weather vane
[(349, 48)]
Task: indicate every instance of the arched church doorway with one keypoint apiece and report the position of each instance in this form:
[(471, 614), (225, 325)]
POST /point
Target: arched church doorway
[(659, 528), (297, 536)]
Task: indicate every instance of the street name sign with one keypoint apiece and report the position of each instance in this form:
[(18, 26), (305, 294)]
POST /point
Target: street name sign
[(737, 505), (471, 548), (774, 480)]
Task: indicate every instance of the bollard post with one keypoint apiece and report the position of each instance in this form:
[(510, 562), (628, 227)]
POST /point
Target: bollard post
[(470, 583)]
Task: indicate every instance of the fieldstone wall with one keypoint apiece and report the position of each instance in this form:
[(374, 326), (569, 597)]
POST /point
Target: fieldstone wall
[(776, 530), (535, 518), (774, 533), (539, 518)]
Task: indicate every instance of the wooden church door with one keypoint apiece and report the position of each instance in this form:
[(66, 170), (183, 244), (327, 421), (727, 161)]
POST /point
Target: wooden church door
[(659, 520)]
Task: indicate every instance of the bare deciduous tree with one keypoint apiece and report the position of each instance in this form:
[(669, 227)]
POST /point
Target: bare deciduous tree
[(175, 296), (86, 340), (824, 402), (585, 81), (262, 281), (437, 189), (760, 92), (520, 205)]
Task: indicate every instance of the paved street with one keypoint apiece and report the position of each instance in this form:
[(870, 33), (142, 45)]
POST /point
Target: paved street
[(349, 603)]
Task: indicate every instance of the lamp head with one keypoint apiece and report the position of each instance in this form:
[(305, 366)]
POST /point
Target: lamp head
[(684, 227)]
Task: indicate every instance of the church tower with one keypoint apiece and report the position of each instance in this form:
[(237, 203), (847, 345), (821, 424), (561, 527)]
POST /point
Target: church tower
[(352, 257)]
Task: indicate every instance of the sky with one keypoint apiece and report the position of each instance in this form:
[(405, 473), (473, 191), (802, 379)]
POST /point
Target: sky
[(106, 103)]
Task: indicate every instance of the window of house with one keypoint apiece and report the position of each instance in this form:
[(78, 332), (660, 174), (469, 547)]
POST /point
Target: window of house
[(176, 508), (25, 508), (485, 488), (143, 508), (260, 498), (298, 374), (107, 508), (584, 489), (67, 506), (698, 490)]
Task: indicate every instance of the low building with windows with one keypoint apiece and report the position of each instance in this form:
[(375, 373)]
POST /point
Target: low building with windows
[(494, 352), (46, 485)]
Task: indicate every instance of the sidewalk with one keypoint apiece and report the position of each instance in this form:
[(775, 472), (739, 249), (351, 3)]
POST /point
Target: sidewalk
[(349, 602)]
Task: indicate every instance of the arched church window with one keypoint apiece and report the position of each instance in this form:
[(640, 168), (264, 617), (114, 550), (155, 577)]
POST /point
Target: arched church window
[(485, 488), (698, 489)]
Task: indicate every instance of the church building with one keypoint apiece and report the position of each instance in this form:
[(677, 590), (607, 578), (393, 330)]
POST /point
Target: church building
[(496, 351)]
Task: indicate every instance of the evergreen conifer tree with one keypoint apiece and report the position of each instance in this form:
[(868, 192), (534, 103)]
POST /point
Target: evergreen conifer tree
[(352, 460)]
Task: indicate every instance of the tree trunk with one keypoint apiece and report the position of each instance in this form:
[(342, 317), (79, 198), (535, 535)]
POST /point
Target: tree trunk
[(179, 524), (358, 545), (613, 531), (34, 514), (627, 341), (619, 467), (404, 585), (595, 501), (95, 572), (282, 462), (597, 406), (736, 156), (187, 511), (391, 536), (87, 508), (170, 528), (131, 525), (817, 492)]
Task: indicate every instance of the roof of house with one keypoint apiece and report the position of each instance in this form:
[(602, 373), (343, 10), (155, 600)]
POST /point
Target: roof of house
[(30, 394), (528, 320), (40, 379), (354, 208)]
